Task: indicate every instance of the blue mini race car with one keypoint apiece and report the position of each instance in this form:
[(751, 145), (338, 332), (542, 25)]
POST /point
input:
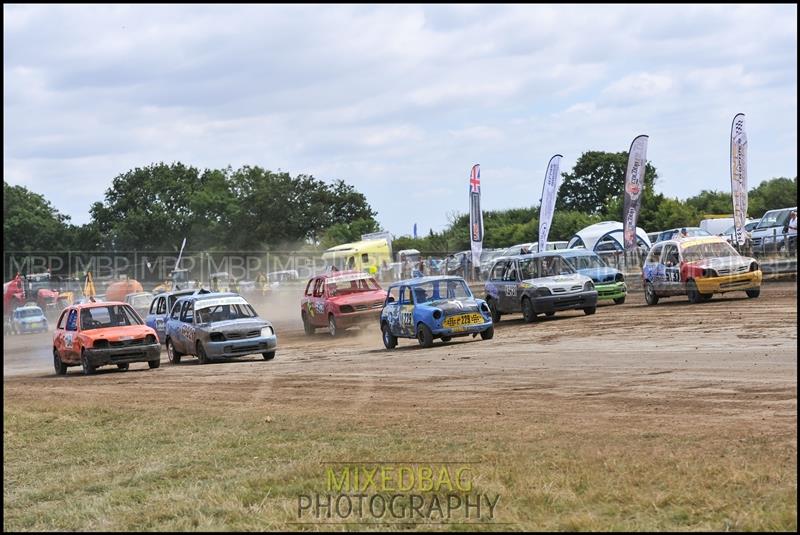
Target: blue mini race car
[(433, 307)]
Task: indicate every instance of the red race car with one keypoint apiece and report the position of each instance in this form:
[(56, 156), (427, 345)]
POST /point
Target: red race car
[(96, 334), (340, 300)]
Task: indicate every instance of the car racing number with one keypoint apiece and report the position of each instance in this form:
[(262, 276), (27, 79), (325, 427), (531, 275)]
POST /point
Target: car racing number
[(672, 274), (187, 331), (407, 316), (68, 341), (511, 290)]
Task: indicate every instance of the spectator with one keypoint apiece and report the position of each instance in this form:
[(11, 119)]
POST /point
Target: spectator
[(683, 233)]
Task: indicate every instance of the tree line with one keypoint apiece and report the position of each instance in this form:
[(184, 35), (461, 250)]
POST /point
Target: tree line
[(251, 208)]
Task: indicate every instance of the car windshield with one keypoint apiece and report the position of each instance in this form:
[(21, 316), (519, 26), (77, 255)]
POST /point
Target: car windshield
[(585, 262), (699, 251), (141, 301), (543, 266), (108, 316), (224, 312), (774, 219), (437, 290), (350, 284), (29, 312)]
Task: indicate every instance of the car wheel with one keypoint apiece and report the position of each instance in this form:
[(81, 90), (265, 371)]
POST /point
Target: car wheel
[(124, 366), (706, 297), (332, 325), (154, 363), (692, 292), (589, 310), (173, 355), (650, 294), (389, 340), (88, 369), (488, 334), (528, 313), (493, 309), (202, 358), (752, 293), (424, 335), (619, 300), (268, 355), (60, 367), (307, 327)]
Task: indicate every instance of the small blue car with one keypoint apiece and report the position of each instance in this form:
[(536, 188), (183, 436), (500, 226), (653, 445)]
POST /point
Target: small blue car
[(28, 319), (608, 281), (433, 307), (160, 307)]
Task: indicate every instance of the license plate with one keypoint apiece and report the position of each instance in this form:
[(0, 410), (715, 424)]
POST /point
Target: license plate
[(35, 325), (462, 320)]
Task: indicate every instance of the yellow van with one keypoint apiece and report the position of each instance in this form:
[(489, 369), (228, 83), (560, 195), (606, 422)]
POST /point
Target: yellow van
[(365, 255)]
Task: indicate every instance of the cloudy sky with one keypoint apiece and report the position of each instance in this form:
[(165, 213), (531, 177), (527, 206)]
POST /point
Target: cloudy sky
[(399, 101)]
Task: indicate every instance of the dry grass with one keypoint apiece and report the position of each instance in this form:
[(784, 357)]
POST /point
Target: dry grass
[(158, 468)]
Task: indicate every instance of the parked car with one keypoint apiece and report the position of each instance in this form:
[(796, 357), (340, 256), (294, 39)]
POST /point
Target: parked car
[(28, 319), (160, 307), (675, 233), (488, 257), (698, 268), (103, 333), (535, 284), (340, 300), (140, 301), (426, 308), (730, 232), (771, 234), (608, 281), (217, 325)]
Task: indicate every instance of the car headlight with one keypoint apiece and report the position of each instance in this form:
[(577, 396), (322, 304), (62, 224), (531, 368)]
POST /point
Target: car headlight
[(100, 344), (346, 309), (542, 292), (754, 266), (267, 331), (619, 277), (216, 337), (150, 339), (437, 314), (589, 286)]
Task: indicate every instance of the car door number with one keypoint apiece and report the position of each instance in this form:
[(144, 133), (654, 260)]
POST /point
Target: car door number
[(511, 290)]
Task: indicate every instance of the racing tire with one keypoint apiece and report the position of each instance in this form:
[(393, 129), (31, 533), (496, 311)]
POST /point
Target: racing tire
[(88, 369), (752, 293), (307, 327), (389, 340), (268, 355), (693, 293), (706, 297), (446, 338), (154, 363), (60, 367), (493, 309), (589, 310), (202, 357), (332, 327), (619, 300), (528, 314), (173, 355), (424, 335), (650, 296), (124, 366), (488, 334)]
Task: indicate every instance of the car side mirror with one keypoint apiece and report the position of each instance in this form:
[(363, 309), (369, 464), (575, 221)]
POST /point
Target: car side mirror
[(390, 299)]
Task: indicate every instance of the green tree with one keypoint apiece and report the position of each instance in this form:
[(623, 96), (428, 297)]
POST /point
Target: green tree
[(711, 202), (598, 179), (779, 192), (339, 233), (31, 223)]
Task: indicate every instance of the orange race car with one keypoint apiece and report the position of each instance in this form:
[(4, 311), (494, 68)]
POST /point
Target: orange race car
[(97, 334)]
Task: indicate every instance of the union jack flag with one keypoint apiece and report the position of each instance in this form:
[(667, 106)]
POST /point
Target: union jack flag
[(475, 179)]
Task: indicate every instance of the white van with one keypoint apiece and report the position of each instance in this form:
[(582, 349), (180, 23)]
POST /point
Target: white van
[(716, 226)]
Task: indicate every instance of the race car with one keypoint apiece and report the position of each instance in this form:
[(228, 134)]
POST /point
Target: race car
[(339, 300), (160, 308), (217, 325), (103, 333), (698, 267), (538, 283), (608, 281), (28, 319), (433, 307)]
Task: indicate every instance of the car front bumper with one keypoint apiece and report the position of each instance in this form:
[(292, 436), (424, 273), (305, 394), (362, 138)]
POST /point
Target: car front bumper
[(121, 355), (238, 348), (31, 328), (553, 303), (729, 283), (612, 290)]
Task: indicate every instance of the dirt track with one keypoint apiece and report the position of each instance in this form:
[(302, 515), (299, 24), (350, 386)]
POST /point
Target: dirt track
[(732, 357)]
